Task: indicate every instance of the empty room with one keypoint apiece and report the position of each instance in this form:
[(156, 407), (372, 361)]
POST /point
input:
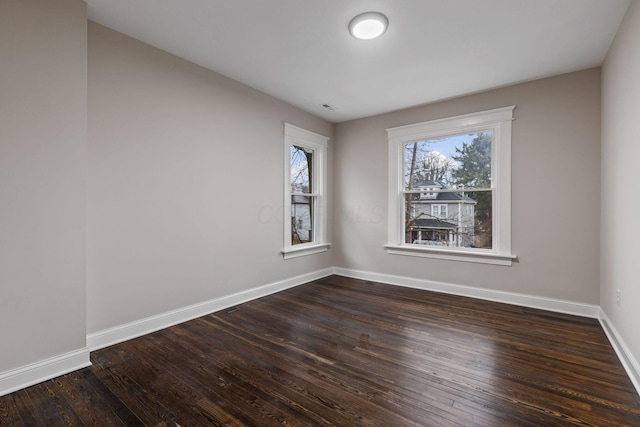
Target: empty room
[(296, 212)]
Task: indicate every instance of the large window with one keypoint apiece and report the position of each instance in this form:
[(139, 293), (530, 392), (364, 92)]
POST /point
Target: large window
[(450, 188), (305, 198)]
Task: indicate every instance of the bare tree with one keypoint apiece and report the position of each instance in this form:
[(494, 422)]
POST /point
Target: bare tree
[(436, 167), (301, 182)]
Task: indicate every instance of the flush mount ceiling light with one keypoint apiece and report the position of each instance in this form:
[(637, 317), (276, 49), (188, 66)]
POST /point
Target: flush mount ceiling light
[(368, 25)]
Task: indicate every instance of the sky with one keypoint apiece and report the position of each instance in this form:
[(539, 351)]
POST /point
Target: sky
[(447, 146)]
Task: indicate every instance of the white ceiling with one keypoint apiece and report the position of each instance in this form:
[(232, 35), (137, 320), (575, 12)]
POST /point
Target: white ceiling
[(301, 52)]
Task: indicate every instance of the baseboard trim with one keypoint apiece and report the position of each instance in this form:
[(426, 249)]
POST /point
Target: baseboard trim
[(16, 379), (121, 333), (629, 362), (551, 304), (43, 370)]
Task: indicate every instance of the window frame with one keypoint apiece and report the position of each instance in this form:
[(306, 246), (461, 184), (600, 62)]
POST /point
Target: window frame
[(438, 207), (498, 121), (296, 136)]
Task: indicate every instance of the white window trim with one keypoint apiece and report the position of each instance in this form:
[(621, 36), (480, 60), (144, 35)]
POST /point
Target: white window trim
[(499, 122), (294, 135), (439, 210)]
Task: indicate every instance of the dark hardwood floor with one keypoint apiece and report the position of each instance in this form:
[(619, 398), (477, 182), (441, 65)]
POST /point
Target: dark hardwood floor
[(346, 352)]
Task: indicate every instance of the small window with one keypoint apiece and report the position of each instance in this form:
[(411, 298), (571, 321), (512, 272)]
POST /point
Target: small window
[(305, 198), (450, 188), (439, 211)]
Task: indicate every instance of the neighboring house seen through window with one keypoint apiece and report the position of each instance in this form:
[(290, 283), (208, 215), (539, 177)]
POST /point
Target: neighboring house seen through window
[(304, 198), (450, 188)]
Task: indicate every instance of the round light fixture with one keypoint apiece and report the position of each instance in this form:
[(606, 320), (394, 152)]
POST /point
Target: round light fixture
[(368, 25)]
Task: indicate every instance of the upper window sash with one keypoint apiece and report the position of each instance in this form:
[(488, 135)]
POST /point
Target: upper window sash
[(498, 121)]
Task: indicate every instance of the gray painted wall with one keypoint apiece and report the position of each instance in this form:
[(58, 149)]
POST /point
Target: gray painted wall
[(620, 233), (43, 136), (555, 197), (185, 189)]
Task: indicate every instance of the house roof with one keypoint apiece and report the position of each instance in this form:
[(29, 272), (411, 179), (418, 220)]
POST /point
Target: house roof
[(432, 223), (448, 197)]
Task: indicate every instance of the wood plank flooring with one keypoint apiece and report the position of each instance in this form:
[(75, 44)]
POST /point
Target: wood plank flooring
[(346, 352)]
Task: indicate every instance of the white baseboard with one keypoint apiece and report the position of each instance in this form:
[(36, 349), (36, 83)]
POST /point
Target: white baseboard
[(28, 375), (551, 304), (43, 370), (629, 362), (107, 337)]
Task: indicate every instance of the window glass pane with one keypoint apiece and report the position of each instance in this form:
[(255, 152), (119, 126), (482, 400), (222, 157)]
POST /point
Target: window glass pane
[(302, 216), (301, 170), (482, 218), (463, 220), (448, 162)]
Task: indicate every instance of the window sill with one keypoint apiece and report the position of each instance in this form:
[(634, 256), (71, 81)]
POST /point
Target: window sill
[(303, 250), (452, 255)]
